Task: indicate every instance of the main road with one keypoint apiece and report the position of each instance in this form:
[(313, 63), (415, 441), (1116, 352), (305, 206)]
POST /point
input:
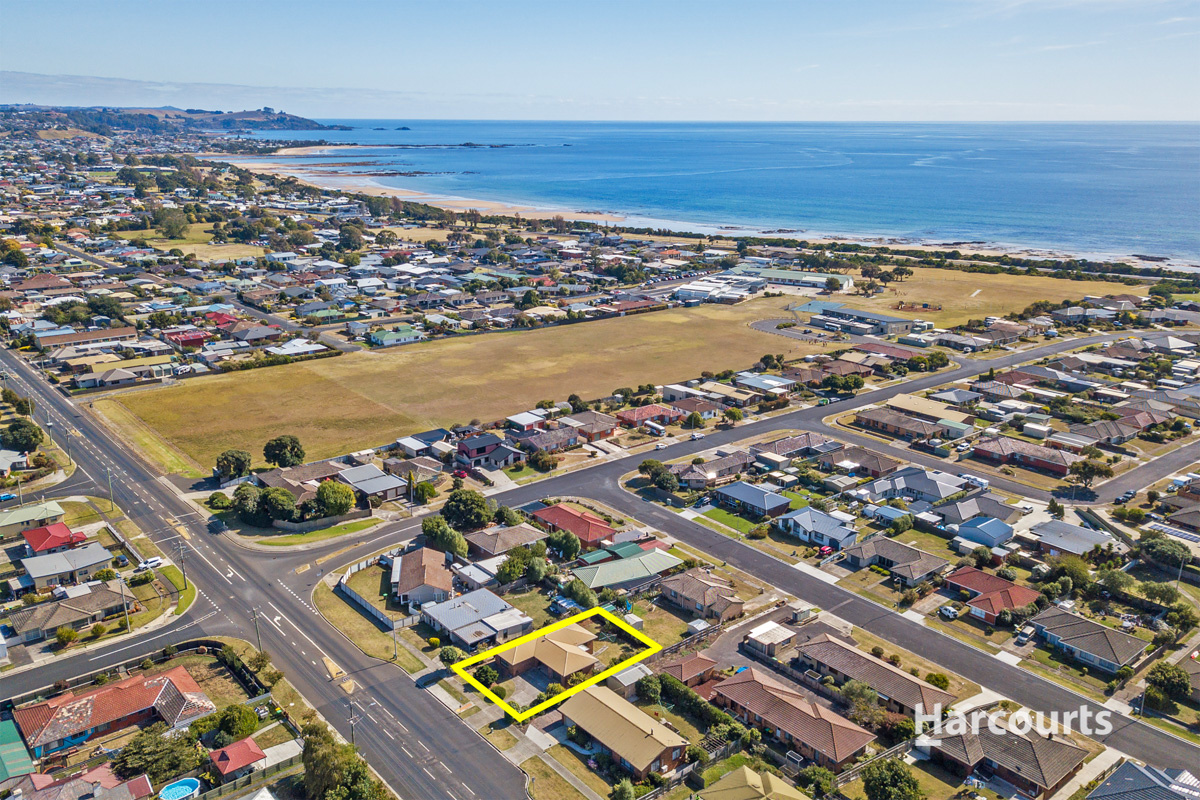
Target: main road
[(406, 734)]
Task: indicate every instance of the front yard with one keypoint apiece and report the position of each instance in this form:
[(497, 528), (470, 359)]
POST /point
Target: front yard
[(936, 783), (729, 519)]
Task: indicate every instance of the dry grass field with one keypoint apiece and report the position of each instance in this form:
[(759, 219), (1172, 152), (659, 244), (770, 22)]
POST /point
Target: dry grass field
[(197, 241), (967, 295), (338, 405)]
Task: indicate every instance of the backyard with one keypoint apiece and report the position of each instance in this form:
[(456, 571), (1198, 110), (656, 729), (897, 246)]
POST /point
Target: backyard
[(936, 783)]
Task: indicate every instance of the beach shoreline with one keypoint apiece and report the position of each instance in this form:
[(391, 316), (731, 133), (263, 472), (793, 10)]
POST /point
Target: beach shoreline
[(338, 180)]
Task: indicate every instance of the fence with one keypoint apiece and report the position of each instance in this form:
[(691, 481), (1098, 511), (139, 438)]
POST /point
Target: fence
[(380, 618), (128, 545), (252, 778), (897, 751), (324, 522)]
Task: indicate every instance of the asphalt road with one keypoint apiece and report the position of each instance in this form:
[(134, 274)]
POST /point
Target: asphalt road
[(416, 744)]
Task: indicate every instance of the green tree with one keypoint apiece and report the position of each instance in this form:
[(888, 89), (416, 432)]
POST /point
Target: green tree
[(506, 516), (649, 688), (890, 779), (246, 503), (157, 755), (451, 655), (424, 492), (277, 503), (511, 569), (938, 679), (284, 451), (173, 224), (440, 536), (818, 781), (22, 435), (666, 481), (1170, 679), (1087, 471), (733, 415), (1163, 593), (466, 510), (357, 783), (832, 285), (233, 464), (66, 636), (623, 791), (1170, 552), (486, 675), (536, 570), (565, 543), (1115, 580), (219, 501), (238, 721), (334, 498)]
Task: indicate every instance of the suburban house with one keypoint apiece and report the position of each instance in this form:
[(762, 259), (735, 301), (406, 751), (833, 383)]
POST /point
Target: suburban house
[(636, 741), (591, 425), (1038, 766), (303, 480), (369, 481), (898, 690), (703, 594), (813, 731), (497, 540), (238, 759), (97, 782), (798, 446), (974, 505), (53, 538), (546, 441), (70, 719), (691, 670), (14, 521), (990, 594), (908, 565), (640, 415), (69, 566), (898, 424), (818, 528), (859, 461), (422, 576), (76, 611), (1056, 537), (1006, 450), (916, 483), (752, 499), (476, 618), (707, 409), (744, 783), (627, 573), (487, 450), (562, 654), (710, 473), (1088, 642), (986, 531), (1132, 781), (591, 529)]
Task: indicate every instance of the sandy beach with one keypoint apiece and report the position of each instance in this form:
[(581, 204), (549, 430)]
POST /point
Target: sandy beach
[(338, 180)]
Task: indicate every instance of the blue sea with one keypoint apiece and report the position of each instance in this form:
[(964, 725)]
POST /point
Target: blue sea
[(1089, 189)]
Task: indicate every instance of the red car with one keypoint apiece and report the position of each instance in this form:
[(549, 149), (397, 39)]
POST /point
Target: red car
[(458, 473), (826, 550)]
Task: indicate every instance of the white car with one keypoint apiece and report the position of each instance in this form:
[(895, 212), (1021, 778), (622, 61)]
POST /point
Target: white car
[(154, 562), (661, 446), (1026, 508), (697, 435), (949, 612)]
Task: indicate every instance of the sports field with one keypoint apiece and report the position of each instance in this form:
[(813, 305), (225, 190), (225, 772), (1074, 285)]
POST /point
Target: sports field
[(367, 398), (969, 295)]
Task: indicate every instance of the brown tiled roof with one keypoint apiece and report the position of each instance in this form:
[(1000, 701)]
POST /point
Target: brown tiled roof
[(907, 562), (496, 540), (689, 667), (780, 707), (71, 611), (881, 676), (1043, 760), (698, 586), (1089, 636), (424, 567)]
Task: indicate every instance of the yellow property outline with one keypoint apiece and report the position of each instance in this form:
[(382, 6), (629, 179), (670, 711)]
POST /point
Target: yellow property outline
[(520, 716)]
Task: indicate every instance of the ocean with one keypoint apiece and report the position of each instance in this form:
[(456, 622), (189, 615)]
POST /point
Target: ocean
[(1089, 189)]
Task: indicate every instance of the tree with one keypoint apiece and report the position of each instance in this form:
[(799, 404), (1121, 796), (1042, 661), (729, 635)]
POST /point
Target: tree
[(693, 420), (649, 688), (536, 570), (424, 492), (1170, 552), (862, 699), (1163, 593), (938, 679), (1088, 471), (357, 783), (451, 655), (237, 720), (1115, 580), (565, 543), (890, 779), (233, 464), (486, 675), (511, 569), (277, 503), (666, 482), (173, 224), (1170, 679), (1073, 567), (219, 501), (506, 516), (284, 451), (1055, 508), (623, 791), (157, 755), (466, 510), (651, 467), (246, 503), (440, 536), (334, 771), (734, 415), (334, 498), (817, 780), (66, 636), (106, 574), (832, 285), (22, 435)]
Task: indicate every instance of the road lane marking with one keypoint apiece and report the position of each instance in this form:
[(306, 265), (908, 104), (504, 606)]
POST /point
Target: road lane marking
[(406, 752)]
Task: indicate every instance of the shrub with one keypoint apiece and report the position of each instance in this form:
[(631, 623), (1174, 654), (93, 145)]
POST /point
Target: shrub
[(877, 651), (219, 501), (938, 679)]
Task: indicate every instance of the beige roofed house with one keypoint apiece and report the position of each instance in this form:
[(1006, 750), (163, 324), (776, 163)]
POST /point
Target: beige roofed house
[(422, 576), (928, 409), (746, 784), (703, 594), (637, 741), (562, 653)]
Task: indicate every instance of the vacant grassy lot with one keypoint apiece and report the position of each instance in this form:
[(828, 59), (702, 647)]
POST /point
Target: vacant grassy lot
[(956, 293), (196, 241), (337, 405)]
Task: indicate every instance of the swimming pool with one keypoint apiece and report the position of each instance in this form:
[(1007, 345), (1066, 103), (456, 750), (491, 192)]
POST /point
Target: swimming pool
[(180, 790)]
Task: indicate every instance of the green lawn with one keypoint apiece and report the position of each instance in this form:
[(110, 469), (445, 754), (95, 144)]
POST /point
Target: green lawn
[(187, 595), (1067, 673), (731, 520), (936, 783), (687, 728), (664, 625), (577, 766), (546, 784), (535, 603), (499, 736), (799, 499), (322, 534), (362, 631)]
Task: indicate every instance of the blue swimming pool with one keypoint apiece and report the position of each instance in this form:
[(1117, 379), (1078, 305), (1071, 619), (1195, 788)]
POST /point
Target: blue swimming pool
[(180, 790)]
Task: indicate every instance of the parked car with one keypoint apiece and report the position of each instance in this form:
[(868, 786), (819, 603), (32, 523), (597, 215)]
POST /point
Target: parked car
[(1125, 498), (122, 561), (460, 473), (826, 550), (697, 435), (962, 447), (949, 612), (154, 562), (1026, 508)]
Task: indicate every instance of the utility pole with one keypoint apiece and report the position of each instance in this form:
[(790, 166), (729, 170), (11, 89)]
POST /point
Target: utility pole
[(124, 604), (257, 635), (111, 505), (182, 564), (395, 645)]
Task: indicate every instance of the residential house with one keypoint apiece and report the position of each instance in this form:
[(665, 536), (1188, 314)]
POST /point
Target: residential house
[(744, 783), (14, 521), (68, 566), (751, 499), (369, 482), (1006, 450), (898, 691), (589, 528), (898, 424), (1056, 537), (68, 720), (477, 618), (859, 461), (422, 576), (1092, 644), (627, 573), (639, 415), (707, 409), (487, 450), (562, 654), (917, 483), (637, 742), (591, 425), (1036, 765), (818, 528), (799, 446), (814, 731), (238, 759), (421, 469), (54, 538), (303, 480), (702, 593), (548, 441), (97, 782), (1132, 781), (769, 638), (975, 505), (986, 531), (990, 594), (76, 611), (709, 473), (908, 565), (691, 670), (498, 540)]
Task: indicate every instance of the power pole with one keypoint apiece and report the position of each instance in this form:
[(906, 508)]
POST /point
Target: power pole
[(257, 635), (395, 645), (182, 564), (124, 605), (111, 505)]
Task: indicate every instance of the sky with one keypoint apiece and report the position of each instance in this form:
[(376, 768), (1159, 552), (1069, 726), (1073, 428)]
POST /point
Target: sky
[(886, 60)]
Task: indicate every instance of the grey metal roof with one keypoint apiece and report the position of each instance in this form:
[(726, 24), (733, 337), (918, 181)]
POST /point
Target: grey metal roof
[(466, 609), (68, 561)]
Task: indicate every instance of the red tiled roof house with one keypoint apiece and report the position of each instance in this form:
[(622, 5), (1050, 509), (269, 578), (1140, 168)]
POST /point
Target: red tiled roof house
[(590, 529)]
